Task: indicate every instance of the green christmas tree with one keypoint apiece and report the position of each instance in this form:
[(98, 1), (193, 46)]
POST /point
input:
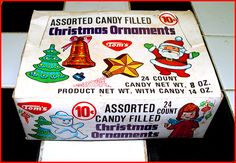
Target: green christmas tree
[(42, 133), (48, 70)]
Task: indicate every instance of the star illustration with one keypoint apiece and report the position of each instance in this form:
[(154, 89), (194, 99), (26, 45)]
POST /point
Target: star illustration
[(123, 64)]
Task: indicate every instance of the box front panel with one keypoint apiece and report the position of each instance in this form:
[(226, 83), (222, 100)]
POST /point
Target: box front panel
[(77, 119)]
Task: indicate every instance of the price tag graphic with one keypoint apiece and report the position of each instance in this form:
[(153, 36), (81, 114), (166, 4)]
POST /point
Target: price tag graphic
[(168, 18), (84, 111)]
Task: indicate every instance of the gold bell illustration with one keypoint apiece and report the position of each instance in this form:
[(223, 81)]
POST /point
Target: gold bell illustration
[(79, 54)]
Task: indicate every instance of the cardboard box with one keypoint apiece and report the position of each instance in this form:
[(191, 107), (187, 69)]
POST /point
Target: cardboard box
[(115, 75)]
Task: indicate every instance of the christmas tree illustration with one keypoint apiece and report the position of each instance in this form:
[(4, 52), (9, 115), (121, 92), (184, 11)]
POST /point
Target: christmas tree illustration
[(42, 132), (48, 70)]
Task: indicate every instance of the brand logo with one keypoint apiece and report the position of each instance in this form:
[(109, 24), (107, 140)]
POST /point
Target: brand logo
[(117, 45), (35, 107)]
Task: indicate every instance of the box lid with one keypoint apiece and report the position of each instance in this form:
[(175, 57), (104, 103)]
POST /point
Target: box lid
[(115, 55)]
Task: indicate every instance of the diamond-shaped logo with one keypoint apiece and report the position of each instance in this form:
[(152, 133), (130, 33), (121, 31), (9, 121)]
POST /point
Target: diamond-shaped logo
[(117, 45), (35, 107)]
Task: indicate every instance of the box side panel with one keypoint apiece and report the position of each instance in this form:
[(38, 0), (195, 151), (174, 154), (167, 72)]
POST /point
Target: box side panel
[(79, 119), (25, 118)]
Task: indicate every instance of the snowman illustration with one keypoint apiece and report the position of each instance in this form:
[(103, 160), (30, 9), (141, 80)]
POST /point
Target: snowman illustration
[(64, 128)]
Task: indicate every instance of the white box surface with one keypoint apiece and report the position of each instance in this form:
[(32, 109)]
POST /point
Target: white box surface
[(115, 75)]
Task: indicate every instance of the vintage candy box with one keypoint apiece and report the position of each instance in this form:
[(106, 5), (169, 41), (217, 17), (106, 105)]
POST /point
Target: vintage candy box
[(115, 75)]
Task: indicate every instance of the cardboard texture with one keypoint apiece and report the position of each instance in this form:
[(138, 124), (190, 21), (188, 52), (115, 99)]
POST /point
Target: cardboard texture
[(115, 75)]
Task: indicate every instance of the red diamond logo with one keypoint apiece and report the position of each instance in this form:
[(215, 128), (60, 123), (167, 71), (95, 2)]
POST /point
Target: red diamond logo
[(117, 45), (35, 107)]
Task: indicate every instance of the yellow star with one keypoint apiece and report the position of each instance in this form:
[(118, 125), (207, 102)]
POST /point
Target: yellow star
[(123, 64)]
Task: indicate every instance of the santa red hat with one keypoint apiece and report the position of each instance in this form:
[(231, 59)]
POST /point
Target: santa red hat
[(178, 42)]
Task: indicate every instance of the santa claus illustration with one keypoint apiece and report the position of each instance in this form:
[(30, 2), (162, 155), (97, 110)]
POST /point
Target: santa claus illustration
[(171, 56)]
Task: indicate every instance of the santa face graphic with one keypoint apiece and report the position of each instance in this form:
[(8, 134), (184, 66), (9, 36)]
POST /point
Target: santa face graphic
[(171, 52)]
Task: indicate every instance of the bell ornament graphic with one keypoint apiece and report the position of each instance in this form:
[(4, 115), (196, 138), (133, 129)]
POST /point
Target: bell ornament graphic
[(79, 54)]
